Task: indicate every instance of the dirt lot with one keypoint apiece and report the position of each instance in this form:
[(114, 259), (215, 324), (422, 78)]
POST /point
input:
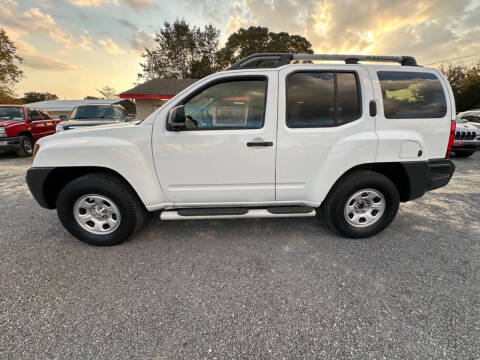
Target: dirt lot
[(244, 288)]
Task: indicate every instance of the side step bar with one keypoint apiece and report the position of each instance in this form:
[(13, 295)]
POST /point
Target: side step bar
[(237, 213)]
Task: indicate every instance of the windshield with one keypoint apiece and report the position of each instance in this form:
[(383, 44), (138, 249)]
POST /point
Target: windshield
[(94, 112), (11, 113), (460, 120)]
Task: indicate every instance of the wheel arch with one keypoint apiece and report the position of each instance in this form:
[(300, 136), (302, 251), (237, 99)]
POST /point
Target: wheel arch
[(27, 134), (61, 176), (410, 178)]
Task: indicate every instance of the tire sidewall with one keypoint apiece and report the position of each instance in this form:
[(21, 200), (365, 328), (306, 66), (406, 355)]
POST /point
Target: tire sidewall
[(392, 199), (23, 151), (76, 189)]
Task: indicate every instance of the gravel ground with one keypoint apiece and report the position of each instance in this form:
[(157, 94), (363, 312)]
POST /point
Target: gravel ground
[(276, 288)]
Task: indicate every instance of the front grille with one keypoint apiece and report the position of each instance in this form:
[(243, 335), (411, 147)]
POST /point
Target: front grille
[(465, 135)]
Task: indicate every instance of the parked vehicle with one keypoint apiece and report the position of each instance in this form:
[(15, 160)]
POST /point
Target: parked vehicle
[(21, 126), (471, 115), (467, 138), (93, 115), (348, 142)]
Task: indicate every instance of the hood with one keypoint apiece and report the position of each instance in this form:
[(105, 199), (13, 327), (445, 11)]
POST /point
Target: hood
[(10, 122), (468, 126), (89, 122)]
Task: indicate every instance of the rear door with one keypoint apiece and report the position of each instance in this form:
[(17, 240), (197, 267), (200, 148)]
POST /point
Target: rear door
[(414, 113), (324, 128), (226, 154)]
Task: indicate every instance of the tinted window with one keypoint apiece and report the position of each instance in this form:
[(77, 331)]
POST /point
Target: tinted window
[(227, 105), (348, 107), (11, 113), (412, 95), (33, 115), (92, 112), (311, 100)]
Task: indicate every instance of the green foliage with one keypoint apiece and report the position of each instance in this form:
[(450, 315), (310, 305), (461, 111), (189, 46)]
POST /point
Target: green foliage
[(465, 83), (6, 99), (34, 96), (10, 73), (181, 52), (258, 39)]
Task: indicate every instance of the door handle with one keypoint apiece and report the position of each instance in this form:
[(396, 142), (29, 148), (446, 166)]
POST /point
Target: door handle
[(259, 143)]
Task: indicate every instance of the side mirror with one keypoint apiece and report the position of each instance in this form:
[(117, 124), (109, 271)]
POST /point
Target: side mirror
[(63, 117), (176, 119)]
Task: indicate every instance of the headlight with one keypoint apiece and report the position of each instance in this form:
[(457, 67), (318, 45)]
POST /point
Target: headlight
[(36, 147), (59, 128), (2, 131)]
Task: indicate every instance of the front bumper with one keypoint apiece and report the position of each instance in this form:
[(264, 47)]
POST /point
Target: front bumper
[(36, 179), (9, 143), (465, 145)]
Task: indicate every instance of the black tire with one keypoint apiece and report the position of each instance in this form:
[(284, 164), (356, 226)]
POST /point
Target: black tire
[(463, 153), (26, 147), (115, 189), (333, 208)]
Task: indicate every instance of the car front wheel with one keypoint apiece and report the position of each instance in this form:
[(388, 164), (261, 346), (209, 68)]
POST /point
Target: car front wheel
[(100, 209), (26, 146), (361, 204)]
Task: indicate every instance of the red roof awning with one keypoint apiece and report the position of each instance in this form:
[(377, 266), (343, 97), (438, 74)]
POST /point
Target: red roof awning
[(143, 96)]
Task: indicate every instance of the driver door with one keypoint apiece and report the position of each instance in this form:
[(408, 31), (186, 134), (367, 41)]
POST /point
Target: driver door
[(226, 152)]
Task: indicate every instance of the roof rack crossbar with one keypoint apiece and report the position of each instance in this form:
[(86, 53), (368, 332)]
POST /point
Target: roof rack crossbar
[(255, 60)]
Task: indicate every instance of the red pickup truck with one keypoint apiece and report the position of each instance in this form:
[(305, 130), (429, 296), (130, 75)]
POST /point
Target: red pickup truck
[(21, 126)]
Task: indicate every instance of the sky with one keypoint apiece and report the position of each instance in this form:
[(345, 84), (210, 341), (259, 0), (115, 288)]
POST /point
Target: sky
[(73, 47)]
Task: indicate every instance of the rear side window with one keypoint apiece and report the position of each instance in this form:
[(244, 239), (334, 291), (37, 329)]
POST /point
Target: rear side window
[(322, 99), (411, 95)]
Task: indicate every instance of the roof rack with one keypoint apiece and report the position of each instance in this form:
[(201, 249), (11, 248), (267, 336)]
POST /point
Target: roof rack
[(255, 60)]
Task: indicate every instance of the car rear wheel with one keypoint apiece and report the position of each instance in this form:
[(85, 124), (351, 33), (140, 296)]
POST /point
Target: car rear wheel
[(26, 146), (361, 204), (100, 209)]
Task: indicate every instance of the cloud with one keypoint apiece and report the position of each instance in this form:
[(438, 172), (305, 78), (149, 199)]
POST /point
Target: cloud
[(427, 29), (32, 22), (47, 63), (127, 24), (85, 42), (134, 4), (33, 59), (141, 4), (93, 3), (111, 46), (141, 40)]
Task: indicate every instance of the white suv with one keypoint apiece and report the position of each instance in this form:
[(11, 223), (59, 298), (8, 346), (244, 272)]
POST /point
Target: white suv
[(266, 138)]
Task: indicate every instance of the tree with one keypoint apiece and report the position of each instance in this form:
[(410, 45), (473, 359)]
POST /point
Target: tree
[(34, 96), (465, 83), (108, 92), (181, 51), (258, 39), (88, 97), (10, 73)]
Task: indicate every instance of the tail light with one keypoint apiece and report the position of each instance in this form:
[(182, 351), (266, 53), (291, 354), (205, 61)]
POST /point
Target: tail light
[(451, 138)]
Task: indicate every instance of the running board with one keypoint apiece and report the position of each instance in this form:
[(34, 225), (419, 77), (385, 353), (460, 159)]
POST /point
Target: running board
[(237, 213)]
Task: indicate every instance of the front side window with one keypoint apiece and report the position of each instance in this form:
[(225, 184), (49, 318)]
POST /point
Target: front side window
[(11, 113), (322, 99), (410, 95), (44, 115), (33, 115), (236, 104)]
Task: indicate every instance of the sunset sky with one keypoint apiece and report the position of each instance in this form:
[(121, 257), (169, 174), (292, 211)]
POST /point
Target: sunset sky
[(72, 47)]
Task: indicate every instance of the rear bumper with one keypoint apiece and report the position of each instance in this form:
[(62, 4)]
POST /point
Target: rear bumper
[(428, 175), (440, 172), (9, 143), (36, 179)]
